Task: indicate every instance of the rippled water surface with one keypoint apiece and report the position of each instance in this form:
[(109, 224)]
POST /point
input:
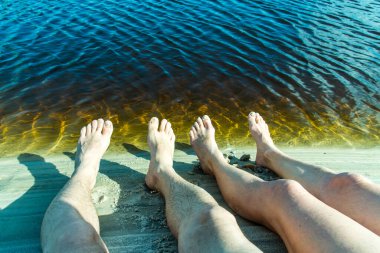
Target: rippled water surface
[(311, 68)]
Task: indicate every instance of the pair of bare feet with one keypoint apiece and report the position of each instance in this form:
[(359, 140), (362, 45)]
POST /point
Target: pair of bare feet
[(95, 139), (297, 214), (337, 218)]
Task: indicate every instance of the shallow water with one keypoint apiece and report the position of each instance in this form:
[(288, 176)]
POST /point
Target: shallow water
[(311, 69)]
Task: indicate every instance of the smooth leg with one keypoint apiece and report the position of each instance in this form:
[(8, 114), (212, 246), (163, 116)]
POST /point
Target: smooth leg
[(304, 223), (193, 216), (351, 194), (70, 223)]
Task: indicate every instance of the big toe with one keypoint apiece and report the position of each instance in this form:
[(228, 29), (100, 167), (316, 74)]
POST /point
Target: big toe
[(108, 128), (252, 117), (153, 124), (207, 122)]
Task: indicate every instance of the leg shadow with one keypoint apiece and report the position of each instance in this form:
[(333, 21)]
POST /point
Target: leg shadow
[(22, 219), (180, 167), (134, 212), (194, 174), (184, 147)]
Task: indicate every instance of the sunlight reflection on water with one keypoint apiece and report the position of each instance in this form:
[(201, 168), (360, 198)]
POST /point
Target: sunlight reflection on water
[(310, 69)]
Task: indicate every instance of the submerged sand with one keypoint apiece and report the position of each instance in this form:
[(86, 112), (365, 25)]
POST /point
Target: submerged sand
[(132, 217)]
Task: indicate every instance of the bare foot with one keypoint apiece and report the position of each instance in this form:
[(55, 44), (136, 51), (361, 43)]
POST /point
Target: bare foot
[(260, 132), (161, 143), (92, 144), (202, 138)]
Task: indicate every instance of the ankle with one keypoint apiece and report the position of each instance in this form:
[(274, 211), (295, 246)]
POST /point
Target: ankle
[(272, 154), (217, 160), (86, 181), (86, 161), (158, 174), (163, 180)]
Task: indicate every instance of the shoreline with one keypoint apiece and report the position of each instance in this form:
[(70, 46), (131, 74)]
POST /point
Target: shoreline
[(130, 214), (338, 159)]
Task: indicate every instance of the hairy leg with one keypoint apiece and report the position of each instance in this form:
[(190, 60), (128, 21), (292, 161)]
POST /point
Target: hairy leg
[(304, 223), (71, 223), (193, 216), (351, 194)]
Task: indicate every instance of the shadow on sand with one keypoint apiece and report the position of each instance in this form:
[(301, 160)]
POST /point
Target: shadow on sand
[(136, 213), (22, 219), (179, 167)]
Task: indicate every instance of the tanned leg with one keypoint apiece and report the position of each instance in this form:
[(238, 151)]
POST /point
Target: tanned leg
[(71, 223), (304, 223), (351, 194), (193, 216)]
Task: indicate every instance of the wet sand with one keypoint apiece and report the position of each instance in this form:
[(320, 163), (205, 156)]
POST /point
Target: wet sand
[(132, 217)]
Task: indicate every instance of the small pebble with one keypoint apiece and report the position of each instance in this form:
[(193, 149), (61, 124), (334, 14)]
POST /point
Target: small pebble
[(245, 157)]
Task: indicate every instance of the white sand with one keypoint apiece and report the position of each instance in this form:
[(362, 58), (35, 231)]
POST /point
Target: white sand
[(132, 218)]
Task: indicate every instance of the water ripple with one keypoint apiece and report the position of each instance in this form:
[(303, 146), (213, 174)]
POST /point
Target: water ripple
[(311, 68)]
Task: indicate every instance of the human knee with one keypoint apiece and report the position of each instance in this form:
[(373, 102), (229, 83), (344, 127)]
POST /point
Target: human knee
[(218, 212), (77, 238), (208, 218), (285, 189), (344, 182), (213, 214), (204, 228)]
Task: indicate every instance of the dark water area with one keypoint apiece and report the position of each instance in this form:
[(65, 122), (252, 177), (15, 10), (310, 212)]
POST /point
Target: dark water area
[(311, 68)]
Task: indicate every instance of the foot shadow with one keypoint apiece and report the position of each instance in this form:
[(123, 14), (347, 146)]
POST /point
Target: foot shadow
[(134, 212), (136, 151), (189, 171), (180, 167), (22, 219), (184, 147), (194, 174)]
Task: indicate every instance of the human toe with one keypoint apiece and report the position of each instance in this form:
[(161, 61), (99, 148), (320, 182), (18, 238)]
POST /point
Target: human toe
[(100, 125), (192, 135), (207, 121), (88, 129), (82, 133), (200, 123), (163, 125), (108, 128), (260, 118), (153, 124), (94, 126), (196, 126), (172, 136), (168, 127), (251, 118)]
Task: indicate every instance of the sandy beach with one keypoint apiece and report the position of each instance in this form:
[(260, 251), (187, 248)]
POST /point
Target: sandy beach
[(132, 217)]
